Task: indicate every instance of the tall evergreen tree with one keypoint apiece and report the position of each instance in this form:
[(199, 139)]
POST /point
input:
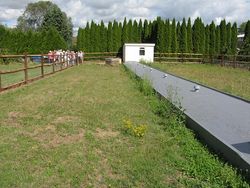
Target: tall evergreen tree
[(120, 37), (202, 37), (58, 19), (229, 38), (160, 36), (153, 31), (97, 39), (168, 36), (92, 37), (124, 31), (83, 38), (207, 39), (178, 34), (53, 40), (87, 39), (79, 38), (130, 31), (218, 45), (110, 38), (183, 37), (246, 43), (174, 46), (212, 39), (115, 37), (146, 31), (135, 34), (103, 37), (223, 37), (196, 35), (140, 31), (189, 37), (234, 39), (247, 31)]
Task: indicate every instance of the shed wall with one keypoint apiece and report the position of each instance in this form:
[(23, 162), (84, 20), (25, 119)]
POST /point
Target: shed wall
[(131, 53)]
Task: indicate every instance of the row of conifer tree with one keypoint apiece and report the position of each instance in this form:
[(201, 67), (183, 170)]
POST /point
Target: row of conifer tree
[(169, 36), (15, 41)]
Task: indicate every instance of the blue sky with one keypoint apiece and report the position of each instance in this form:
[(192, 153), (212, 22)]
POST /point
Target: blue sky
[(82, 11)]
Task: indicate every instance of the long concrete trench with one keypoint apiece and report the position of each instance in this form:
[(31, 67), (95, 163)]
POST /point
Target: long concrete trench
[(221, 120)]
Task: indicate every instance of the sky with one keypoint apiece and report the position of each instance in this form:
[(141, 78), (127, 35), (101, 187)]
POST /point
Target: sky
[(82, 11)]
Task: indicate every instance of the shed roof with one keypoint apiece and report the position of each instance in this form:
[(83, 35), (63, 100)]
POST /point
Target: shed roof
[(140, 44)]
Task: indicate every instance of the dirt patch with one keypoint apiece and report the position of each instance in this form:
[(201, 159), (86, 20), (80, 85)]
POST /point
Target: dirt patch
[(12, 119), (64, 119), (49, 138), (104, 171), (15, 115), (104, 134), (172, 179)]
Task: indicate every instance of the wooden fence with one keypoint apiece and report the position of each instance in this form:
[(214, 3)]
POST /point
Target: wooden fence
[(101, 55), (64, 62), (236, 61), (61, 63)]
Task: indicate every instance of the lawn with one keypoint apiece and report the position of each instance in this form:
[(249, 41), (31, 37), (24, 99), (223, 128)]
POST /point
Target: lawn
[(9, 79), (226, 79), (67, 130)]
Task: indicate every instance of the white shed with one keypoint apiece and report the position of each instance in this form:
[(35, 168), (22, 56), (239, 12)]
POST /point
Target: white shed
[(138, 51)]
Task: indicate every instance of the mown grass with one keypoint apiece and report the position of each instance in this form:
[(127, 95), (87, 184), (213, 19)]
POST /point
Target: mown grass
[(9, 79), (67, 131), (226, 79)]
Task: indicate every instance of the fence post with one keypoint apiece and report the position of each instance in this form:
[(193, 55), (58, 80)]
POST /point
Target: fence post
[(212, 59), (222, 60), (53, 66), (67, 60), (25, 68), (61, 61), (77, 63), (0, 81), (42, 63), (234, 61)]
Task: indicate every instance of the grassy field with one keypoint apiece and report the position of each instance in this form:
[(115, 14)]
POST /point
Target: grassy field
[(67, 130), (230, 80), (9, 79)]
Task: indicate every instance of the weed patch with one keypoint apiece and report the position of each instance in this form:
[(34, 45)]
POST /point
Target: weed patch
[(134, 130)]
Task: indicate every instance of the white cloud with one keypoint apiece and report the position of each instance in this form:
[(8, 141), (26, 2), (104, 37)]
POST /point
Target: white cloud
[(82, 11), (8, 16)]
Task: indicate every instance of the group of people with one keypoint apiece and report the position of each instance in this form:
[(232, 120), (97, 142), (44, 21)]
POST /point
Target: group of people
[(66, 57)]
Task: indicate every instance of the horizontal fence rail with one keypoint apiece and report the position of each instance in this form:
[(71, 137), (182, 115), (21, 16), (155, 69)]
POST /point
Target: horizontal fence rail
[(240, 61), (101, 55), (27, 73)]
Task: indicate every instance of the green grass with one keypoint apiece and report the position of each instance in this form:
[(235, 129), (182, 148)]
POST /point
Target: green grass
[(9, 79), (226, 79), (67, 131)]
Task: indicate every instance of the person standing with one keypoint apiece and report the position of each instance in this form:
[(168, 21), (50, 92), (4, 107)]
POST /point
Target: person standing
[(50, 57), (80, 57)]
